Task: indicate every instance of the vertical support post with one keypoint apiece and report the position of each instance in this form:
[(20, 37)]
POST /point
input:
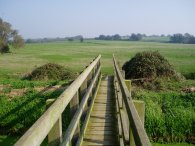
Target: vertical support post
[(123, 73), (126, 121), (55, 134), (128, 84), (140, 107), (120, 96), (74, 104), (82, 91), (94, 72), (89, 78)]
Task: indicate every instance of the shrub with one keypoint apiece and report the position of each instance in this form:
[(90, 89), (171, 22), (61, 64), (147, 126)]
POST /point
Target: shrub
[(51, 71), (148, 64), (4, 49)]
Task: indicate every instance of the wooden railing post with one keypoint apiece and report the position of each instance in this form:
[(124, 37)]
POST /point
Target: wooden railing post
[(74, 105), (55, 134), (140, 107), (133, 114), (93, 75), (82, 91), (123, 73), (48, 121), (128, 84), (89, 79)]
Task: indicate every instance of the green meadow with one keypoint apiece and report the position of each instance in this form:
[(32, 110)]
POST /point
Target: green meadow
[(76, 56)]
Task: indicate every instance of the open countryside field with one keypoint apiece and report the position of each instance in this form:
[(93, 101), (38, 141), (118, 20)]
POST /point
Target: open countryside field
[(77, 55)]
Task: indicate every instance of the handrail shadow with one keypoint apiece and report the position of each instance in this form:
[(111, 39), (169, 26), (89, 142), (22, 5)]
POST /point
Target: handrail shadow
[(27, 116)]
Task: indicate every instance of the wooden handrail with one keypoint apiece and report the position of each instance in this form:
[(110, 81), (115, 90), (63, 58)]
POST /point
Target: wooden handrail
[(72, 126), (40, 129), (139, 133)]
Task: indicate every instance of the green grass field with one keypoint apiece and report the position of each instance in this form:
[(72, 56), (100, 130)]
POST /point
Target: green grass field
[(77, 55)]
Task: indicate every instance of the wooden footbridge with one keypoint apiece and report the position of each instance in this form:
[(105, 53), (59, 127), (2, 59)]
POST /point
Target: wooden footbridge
[(102, 111)]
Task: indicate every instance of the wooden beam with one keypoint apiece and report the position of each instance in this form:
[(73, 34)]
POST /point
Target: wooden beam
[(74, 105), (140, 107), (75, 121), (40, 129), (138, 130), (83, 130), (82, 91), (55, 134)]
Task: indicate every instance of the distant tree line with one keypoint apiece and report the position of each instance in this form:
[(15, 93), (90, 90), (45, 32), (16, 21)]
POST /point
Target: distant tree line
[(45, 40), (180, 38), (175, 38), (132, 37), (109, 37), (136, 37), (9, 37)]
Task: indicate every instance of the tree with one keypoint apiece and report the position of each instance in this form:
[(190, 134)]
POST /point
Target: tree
[(135, 37), (180, 38), (116, 37), (9, 36), (109, 37), (102, 37), (70, 39), (81, 39), (177, 38), (18, 41)]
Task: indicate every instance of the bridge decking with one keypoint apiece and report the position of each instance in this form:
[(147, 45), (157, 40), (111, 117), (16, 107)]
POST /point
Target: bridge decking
[(101, 129)]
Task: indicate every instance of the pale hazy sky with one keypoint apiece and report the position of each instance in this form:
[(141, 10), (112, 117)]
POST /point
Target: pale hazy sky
[(90, 18)]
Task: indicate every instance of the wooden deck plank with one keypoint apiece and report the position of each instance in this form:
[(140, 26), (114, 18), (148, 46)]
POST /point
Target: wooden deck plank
[(105, 137), (104, 132), (101, 127), (98, 142)]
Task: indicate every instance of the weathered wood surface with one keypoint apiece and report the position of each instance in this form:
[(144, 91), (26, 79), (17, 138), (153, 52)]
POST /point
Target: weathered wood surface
[(70, 132), (40, 129), (137, 127), (101, 128)]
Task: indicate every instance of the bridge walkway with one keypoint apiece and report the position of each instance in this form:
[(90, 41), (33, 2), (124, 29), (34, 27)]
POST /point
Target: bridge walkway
[(101, 129), (100, 117)]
